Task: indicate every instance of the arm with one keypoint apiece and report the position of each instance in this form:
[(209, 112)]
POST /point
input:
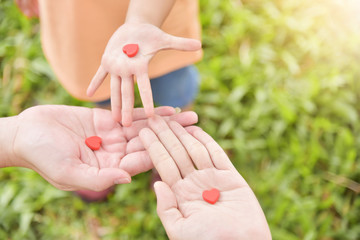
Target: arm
[(149, 11)]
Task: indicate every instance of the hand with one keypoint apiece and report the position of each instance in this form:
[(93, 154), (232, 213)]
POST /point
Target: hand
[(188, 164), (122, 68), (51, 140), (29, 8)]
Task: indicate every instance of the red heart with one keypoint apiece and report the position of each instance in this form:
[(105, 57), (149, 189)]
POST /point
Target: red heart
[(211, 196), (93, 142), (131, 49)]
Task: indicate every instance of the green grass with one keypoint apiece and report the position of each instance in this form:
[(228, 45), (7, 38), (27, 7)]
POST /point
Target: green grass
[(280, 92)]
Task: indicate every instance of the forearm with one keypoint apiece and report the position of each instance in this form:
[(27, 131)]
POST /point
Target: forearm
[(149, 11), (8, 128)]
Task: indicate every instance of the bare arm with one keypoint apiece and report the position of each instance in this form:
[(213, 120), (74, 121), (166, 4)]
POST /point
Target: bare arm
[(149, 11)]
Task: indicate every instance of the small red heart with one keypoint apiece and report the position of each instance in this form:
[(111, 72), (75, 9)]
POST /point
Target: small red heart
[(211, 196), (131, 49), (93, 142)]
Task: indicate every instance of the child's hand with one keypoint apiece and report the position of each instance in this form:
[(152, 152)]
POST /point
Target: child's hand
[(29, 8), (188, 164), (51, 140), (122, 68)]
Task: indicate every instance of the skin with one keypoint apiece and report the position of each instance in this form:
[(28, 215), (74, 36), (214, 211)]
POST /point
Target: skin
[(142, 24), (50, 139), (29, 8), (189, 161)]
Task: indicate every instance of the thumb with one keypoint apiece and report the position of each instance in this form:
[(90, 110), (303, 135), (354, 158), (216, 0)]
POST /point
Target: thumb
[(182, 44), (167, 207), (95, 179), (96, 81)]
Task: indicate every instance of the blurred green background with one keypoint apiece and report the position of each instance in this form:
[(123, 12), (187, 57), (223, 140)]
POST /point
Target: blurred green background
[(280, 92)]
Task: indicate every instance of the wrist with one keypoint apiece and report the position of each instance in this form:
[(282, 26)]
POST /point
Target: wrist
[(152, 12), (8, 131), (140, 20), (136, 20)]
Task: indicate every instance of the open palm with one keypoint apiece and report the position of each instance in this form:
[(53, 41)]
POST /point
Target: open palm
[(51, 140), (190, 162), (123, 69)]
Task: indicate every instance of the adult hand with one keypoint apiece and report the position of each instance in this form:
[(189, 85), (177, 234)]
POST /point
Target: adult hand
[(190, 162), (123, 69), (51, 140), (29, 8)]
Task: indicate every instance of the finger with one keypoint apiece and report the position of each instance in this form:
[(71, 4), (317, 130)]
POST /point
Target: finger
[(184, 118), (167, 207), (182, 44), (139, 113), (127, 93), (144, 86), (134, 145), (115, 83), (172, 145), (95, 179), (161, 159), (218, 156), (196, 150), (97, 80), (136, 162)]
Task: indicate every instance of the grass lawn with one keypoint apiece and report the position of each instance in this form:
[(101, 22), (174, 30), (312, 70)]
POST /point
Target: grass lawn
[(280, 92)]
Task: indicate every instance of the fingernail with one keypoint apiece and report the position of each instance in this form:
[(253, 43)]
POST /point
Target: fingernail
[(122, 181), (177, 110)]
